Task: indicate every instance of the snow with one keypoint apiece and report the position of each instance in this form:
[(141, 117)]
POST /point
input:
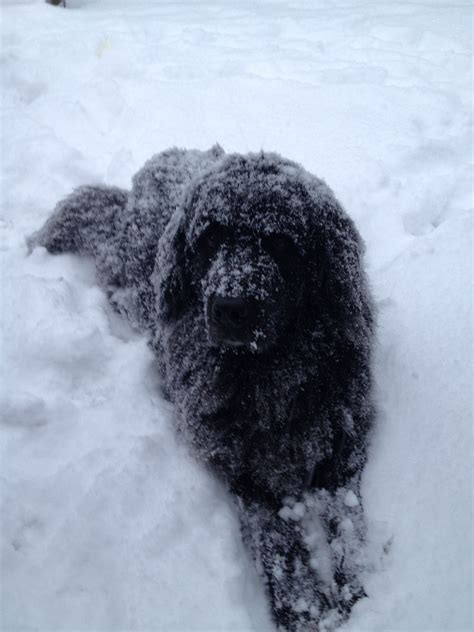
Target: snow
[(350, 499), (107, 523)]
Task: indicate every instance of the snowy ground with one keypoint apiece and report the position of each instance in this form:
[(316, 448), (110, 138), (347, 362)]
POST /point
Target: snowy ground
[(106, 523)]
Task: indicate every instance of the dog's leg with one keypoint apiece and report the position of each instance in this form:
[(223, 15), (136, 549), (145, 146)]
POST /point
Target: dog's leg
[(282, 558), (333, 490), (341, 514), (309, 553)]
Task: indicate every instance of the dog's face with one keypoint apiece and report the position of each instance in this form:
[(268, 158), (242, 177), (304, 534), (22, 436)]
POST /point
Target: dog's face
[(250, 284), (247, 228), (263, 251)]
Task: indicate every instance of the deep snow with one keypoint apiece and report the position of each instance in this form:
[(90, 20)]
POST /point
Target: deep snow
[(107, 524)]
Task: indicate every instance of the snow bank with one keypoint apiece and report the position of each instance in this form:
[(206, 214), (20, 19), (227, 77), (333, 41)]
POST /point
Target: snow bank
[(106, 523)]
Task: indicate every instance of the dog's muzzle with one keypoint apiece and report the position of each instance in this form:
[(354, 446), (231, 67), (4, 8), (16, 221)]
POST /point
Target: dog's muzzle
[(241, 291), (230, 320)]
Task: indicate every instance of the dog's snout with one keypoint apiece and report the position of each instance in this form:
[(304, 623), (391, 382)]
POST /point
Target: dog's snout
[(230, 312)]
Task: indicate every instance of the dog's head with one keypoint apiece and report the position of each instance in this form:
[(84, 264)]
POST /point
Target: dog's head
[(258, 246)]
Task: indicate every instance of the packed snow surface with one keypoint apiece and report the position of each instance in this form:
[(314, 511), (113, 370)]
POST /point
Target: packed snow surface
[(106, 522)]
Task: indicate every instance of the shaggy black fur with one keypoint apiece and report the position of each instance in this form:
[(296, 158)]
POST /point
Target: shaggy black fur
[(247, 275)]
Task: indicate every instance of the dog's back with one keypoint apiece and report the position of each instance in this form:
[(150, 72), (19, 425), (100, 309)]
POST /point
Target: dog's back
[(83, 222)]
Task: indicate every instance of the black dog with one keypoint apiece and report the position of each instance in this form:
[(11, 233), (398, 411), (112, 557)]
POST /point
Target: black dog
[(247, 275)]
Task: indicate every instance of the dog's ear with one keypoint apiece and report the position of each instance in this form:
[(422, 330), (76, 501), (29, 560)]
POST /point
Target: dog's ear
[(341, 284), (343, 314), (170, 275)]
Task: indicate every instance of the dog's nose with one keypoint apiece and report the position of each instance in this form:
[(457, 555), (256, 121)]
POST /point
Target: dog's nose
[(230, 312)]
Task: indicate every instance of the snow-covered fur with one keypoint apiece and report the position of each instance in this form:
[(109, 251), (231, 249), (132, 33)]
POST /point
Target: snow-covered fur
[(275, 394)]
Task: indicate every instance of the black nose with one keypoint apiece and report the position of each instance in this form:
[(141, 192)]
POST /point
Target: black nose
[(230, 312)]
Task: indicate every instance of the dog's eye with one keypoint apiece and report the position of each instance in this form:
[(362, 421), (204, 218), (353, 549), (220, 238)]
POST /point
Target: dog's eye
[(278, 245), (210, 240), (213, 240)]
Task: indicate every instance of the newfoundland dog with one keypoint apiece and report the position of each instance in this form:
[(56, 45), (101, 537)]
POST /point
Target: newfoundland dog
[(247, 276)]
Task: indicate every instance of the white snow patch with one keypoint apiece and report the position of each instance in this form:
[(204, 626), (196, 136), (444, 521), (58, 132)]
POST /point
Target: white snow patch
[(350, 499)]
